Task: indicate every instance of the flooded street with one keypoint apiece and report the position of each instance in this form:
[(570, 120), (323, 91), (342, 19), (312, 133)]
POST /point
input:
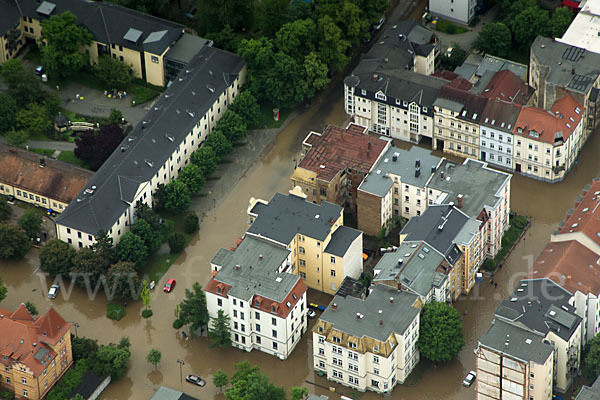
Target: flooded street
[(546, 204)]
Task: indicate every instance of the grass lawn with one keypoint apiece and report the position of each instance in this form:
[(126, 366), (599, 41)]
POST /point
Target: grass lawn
[(142, 94), (448, 27), (69, 157), (115, 311), (158, 264), (45, 152), (39, 136), (266, 117)]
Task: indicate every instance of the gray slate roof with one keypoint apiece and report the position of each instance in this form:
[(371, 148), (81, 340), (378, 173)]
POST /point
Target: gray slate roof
[(522, 344), (586, 64), (477, 183), (417, 271), (458, 228), (255, 275), (379, 184), (500, 114), (590, 392), (186, 47), (541, 306), (166, 393), (147, 146), (341, 240), (396, 316), (287, 215)]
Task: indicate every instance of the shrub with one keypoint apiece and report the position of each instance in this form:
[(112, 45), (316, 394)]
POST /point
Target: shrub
[(519, 221), (177, 242), (448, 27), (489, 264), (69, 381), (115, 311), (147, 313), (191, 223), (5, 394), (177, 324)]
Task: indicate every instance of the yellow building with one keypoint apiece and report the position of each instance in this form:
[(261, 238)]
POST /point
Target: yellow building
[(35, 352), (323, 251)]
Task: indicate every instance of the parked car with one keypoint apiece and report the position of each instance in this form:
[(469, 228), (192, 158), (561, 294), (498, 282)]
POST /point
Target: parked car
[(449, 51), (370, 37), (311, 314), (469, 379), (39, 70), (196, 380), (53, 292), (169, 285), (379, 24)]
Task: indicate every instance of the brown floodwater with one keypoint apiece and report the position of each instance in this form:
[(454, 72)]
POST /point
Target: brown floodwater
[(544, 203)]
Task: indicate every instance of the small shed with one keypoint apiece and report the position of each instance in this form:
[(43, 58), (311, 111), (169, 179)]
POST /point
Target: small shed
[(61, 123)]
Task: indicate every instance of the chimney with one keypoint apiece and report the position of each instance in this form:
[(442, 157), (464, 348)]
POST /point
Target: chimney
[(357, 315), (433, 169), (238, 267), (395, 157), (417, 172), (375, 77), (568, 278), (380, 322), (260, 256), (391, 300), (573, 71), (334, 306), (368, 147), (442, 175), (417, 163), (459, 201)]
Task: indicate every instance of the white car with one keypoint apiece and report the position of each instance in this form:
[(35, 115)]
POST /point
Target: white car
[(469, 379), (378, 25), (53, 292), (311, 314)]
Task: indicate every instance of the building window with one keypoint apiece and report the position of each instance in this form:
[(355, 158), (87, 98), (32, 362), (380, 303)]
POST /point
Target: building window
[(332, 259), (274, 321), (154, 59), (301, 250), (376, 358), (24, 392), (333, 273), (258, 340), (323, 192), (274, 345), (219, 302), (24, 380)]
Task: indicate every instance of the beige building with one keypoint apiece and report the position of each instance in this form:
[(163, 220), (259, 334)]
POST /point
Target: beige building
[(156, 149), (36, 352), (547, 143), (323, 251), (38, 180), (368, 344)]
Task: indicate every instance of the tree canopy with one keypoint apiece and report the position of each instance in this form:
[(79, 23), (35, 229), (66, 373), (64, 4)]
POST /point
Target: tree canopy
[(248, 383), (5, 210), (220, 332), (192, 310), (34, 119), (30, 222), (191, 175), (111, 360), (154, 357), (14, 242), (133, 249), (177, 196), (22, 84), (56, 257), (94, 148), (440, 333), (233, 126), (115, 73), (494, 39), (591, 362), (247, 107), (205, 158), (8, 112), (217, 140), (3, 290)]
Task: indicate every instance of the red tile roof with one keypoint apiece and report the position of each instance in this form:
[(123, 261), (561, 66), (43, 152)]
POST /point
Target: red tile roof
[(586, 216), (281, 309), (460, 83), (446, 75), (560, 121), (338, 148), (505, 85)]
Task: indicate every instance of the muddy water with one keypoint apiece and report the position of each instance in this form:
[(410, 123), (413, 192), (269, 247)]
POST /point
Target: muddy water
[(546, 204)]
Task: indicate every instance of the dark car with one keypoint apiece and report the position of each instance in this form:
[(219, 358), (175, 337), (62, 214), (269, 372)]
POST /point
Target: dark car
[(196, 380)]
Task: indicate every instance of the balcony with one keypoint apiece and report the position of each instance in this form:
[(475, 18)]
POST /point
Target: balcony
[(558, 168)]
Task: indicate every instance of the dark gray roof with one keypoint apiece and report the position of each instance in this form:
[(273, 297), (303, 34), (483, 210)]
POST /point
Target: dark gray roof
[(571, 67), (166, 393), (186, 47), (252, 269), (500, 114), (149, 144), (590, 392), (109, 23), (315, 397), (477, 183), (396, 316), (341, 240), (351, 287), (88, 385), (287, 215), (442, 227), (540, 305), (41, 353), (9, 17), (404, 166), (516, 342)]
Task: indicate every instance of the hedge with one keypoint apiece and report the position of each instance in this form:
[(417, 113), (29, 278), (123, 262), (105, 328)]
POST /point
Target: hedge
[(111, 311), (69, 381), (147, 313)]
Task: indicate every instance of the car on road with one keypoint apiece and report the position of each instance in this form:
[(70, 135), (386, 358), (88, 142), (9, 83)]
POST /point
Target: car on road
[(53, 292), (196, 380), (469, 379), (379, 24), (311, 314), (169, 285)]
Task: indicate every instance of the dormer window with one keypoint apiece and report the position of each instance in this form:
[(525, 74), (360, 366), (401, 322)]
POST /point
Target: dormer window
[(363, 92), (273, 309), (380, 96)]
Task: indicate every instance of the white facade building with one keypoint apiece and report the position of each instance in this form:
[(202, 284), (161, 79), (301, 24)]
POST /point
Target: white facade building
[(461, 11), (496, 141)]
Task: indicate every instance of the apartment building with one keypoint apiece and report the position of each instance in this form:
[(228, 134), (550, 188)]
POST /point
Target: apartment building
[(266, 303), (458, 238), (557, 69), (538, 308), (390, 100), (461, 11), (155, 150), (570, 258), (323, 251), (335, 162), (36, 351), (496, 140), (38, 180), (458, 114), (368, 344), (416, 269), (583, 31), (548, 143), (480, 69), (137, 39)]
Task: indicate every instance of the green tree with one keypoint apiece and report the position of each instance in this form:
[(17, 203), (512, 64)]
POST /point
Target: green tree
[(5, 210), (494, 39), (123, 279), (83, 347), (440, 333), (154, 357), (105, 249), (298, 393), (530, 23), (193, 178), (233, 126), (332, 45), (150, 234), (192, 310), (354, 23), (14, 242), (17, 138), (591, 362), (177, 196), (56, 257), (297, 39), (3, 290), (205, 158), (132, 248), (372, 8), (248, 383), (115, 117), (271, 15), (315, 75), (63, 40), (456, 58), (176, 242), (219, 143), (34, 119), (226, 39), (8, 112), (111, 360), (284, 83), (560, 21), (114, 73), (87, 267), (216, 14), (31, 308), (145, 294), (30, 222), (22, 84), (247, 107), (220, 332), (220, 379), (191, 223)]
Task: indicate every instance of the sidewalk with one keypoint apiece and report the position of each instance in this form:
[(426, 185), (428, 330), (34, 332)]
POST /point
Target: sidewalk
[(43, 144)]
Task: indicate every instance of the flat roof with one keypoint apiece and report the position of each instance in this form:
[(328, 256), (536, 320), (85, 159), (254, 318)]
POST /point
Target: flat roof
[(186, 47)]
